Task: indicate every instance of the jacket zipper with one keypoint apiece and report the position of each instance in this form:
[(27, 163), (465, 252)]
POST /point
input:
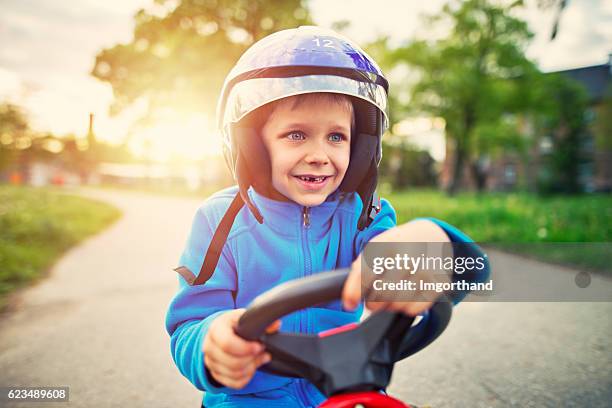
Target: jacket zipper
[(305, 246), (307, 261), (307, 271), (306, 217)]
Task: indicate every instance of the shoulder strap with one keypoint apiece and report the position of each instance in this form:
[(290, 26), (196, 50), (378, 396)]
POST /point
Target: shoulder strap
[(218, 241), (374, 207)]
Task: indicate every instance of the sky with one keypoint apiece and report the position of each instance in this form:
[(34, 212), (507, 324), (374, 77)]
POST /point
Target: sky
[(47, 50)]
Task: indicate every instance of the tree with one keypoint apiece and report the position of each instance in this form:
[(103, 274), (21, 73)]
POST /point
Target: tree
[(180, 59), (603, 122), (15, 135), (562, 121), (387, 58), (476, 78), (405, 165)]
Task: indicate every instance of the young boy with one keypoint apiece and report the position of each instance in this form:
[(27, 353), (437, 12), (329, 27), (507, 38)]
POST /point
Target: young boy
[(302, 115)]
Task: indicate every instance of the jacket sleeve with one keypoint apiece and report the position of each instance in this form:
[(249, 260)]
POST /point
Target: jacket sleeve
[(386, 219), (467, 248), (194, 308)]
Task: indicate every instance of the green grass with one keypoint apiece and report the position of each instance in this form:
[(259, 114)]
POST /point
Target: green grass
[(521, 218), (37, 226)]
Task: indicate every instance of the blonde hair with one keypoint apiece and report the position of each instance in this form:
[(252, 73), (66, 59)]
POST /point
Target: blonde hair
[(258, 118)]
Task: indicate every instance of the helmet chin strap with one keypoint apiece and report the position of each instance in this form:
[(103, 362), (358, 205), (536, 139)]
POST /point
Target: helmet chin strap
[(369, 198)]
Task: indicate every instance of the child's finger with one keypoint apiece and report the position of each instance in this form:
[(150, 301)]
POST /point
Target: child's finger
[(274, 327), (231, 362), (414, 308), (240, 372), (232, 380), (217, 357), (237, 347), (217, 376), (229, 342), (262, 359), (376, 306), (254, 364), (227, 371)]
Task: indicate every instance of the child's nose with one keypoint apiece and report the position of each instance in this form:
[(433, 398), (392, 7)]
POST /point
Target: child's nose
[(317, 156)]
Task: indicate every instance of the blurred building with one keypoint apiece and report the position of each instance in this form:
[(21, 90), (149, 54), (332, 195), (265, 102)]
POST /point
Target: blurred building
[(50, 160), (596, 172), (510, 171)]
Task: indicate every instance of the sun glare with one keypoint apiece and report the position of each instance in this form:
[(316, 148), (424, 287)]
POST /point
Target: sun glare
[(177, 137)]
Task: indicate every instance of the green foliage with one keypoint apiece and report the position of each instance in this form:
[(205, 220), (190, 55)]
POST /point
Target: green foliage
[(14, 134), (479, 66), (495, 138), (563, 122), (476, 78), (20, 147), (180, 59), (37, 226), (603, 122), (404, 165), (398, 97), (13, 121), (514, 217), (506, 219)]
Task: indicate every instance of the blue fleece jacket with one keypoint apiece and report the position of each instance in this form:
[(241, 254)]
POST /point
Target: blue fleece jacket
[(258, 257)]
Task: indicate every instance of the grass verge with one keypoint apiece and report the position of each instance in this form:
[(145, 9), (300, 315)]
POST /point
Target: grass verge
[(518, 218), (37, 226)]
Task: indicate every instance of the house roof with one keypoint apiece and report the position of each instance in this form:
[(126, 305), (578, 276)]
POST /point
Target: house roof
[(596, 79)]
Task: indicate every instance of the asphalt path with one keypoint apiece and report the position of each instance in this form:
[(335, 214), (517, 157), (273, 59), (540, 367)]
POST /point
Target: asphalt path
[(96, 324)]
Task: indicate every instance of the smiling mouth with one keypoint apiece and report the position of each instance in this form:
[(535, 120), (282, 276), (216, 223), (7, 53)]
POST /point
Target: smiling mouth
[(313, 179)]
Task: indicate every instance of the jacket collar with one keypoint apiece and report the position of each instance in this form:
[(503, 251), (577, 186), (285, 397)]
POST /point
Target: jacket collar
[(287, 217)]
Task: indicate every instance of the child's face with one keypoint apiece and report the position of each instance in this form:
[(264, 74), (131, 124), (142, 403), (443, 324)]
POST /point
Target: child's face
[(309, 147)]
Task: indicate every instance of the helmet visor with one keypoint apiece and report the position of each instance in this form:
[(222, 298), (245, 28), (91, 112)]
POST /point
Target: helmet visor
[(249, 95)]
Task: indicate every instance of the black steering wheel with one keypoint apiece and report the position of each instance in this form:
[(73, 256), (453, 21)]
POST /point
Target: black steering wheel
[(375, 344)]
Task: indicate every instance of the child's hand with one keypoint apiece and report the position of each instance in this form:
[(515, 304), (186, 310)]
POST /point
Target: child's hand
[(231, 360), (415, 231)]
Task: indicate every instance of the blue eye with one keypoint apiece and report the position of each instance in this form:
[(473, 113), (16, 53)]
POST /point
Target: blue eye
[(336, 137), (295, 136)]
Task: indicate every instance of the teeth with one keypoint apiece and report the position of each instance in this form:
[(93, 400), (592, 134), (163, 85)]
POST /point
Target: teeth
[(312, 179)]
